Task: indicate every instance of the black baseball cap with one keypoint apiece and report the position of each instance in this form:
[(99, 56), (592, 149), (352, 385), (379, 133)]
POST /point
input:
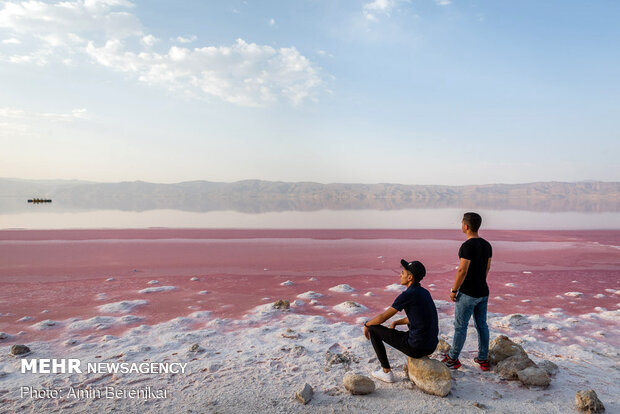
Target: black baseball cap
[(416, 268)]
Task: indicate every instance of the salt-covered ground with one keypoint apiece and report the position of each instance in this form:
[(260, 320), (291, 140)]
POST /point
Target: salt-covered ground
[(151, 294)]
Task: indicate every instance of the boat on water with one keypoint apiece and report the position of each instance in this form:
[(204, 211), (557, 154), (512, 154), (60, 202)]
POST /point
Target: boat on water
[(39, 200)]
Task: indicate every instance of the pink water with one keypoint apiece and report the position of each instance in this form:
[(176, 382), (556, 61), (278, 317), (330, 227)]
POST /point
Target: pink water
[(63, 271)]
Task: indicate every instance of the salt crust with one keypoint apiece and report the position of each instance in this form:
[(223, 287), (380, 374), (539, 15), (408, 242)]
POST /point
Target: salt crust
[(268, 364), (309, 295), (394, 287), (157, 289), (125, 306), (344, 288), (350, 308)]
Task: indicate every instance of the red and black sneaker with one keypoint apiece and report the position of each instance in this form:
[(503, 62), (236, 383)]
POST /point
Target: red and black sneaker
[(451, 363), (484, 364)]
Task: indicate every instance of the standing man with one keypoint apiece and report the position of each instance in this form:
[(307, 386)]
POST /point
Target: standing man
[(471, 293)]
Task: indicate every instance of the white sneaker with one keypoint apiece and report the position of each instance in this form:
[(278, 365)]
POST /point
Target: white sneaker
[(384, 376)]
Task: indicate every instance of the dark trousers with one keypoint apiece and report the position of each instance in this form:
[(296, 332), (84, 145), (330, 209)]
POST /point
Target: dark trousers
[(397, 339)]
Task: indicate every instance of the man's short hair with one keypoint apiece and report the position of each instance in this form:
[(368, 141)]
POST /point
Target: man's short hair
[(473, 220)]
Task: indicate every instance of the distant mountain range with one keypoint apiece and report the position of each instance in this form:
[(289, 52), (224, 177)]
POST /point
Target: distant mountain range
[(255, 196)]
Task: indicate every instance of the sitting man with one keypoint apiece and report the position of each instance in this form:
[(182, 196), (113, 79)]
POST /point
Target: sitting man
[(421, 339)]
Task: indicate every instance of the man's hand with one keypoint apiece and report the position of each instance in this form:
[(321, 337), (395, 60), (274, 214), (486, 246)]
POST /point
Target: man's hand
[(393, 325), (366, 332), (453, 296)]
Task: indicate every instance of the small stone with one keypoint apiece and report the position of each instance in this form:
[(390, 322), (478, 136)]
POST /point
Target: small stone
[(479, 405), (496, 395), (4, 335), (443, 347), (430, 375), (549, 367), (351, 304), (587, 400), (304, 394), (358, 384), (338, 358), (194, 348), (298, 350), (194, 279), (17, 350), (508, 368), (502, 347), (290, 334), (282, 304), (534, 377)]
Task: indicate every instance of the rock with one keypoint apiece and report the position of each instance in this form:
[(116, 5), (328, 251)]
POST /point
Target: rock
[(195, 348), (290, 334), (338, 358), (4, 335), (430, 375), (304, 394), (496, 395), (508, 368), (479, 405), (549, 367), (587, 400), (298, 350), (17, 350), (534, 377), (358, 384), (443, 347), (502, 348), (282, 304), (212, 366)]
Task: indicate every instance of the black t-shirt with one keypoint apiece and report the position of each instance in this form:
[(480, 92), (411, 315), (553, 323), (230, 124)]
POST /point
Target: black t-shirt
[(422, 314), (478, 251)]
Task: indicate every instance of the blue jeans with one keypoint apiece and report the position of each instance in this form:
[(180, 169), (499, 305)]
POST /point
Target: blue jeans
[(465, 307)]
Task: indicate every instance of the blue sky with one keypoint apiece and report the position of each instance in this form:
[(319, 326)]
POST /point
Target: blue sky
[(414, 92)]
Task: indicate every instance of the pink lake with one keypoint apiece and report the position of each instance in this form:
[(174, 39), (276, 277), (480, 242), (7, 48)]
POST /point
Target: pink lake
[(65, 272)]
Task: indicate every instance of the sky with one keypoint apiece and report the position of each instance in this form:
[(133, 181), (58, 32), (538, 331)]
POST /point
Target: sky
[(449, 92)]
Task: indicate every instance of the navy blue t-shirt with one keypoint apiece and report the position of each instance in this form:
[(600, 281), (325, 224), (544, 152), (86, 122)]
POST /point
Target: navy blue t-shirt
[(422, 314)]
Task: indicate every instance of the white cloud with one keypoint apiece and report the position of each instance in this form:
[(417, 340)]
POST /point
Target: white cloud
[(66, 21), (149, 40), (20, 114), (244, 73), (378, 7), (182, 39), (18, 122), (272, 22), (11, 41), (443, 2), (80, 31)]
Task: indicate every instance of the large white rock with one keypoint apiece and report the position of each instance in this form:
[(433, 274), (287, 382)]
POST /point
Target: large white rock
[(358, 384), (534, 377), (430, 375)]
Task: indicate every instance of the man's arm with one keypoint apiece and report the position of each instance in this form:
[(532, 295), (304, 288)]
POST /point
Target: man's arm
[(461, 272), (488, 266), (379, 319), (403, 321)]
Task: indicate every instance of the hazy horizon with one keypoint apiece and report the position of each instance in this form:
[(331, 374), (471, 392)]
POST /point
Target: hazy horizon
[(299, 182)]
